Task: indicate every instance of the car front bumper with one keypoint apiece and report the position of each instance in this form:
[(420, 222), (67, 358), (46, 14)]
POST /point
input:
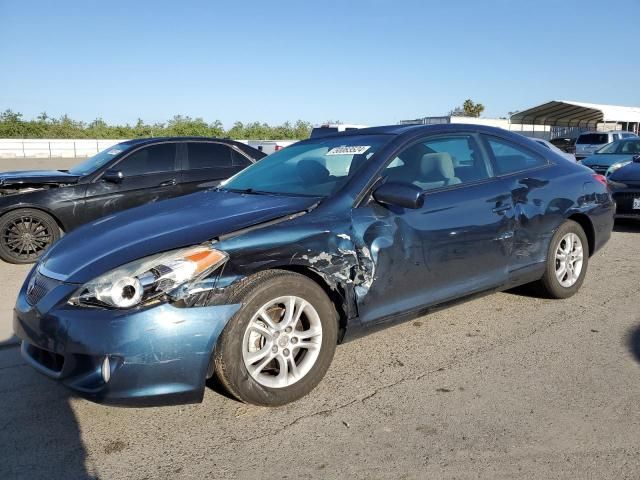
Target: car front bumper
[(158, 355)]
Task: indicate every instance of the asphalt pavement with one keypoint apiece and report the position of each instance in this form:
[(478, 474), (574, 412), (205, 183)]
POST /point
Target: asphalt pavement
[(507, 386)]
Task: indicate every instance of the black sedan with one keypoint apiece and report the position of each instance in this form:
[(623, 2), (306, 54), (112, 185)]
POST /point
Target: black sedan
[(625, 185), (256, 282), (37, 206)]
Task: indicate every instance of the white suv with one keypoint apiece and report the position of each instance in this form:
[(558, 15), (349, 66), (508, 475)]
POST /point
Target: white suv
[(587, 143)]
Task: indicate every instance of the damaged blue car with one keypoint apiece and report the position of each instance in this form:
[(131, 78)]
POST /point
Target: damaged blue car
[(256, 282)]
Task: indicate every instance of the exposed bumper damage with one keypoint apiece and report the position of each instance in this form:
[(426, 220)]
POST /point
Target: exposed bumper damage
[(158, 355)]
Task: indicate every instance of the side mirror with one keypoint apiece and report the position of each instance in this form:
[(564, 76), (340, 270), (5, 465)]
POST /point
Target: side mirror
[(636, 158), (399, 194), (113, 176)]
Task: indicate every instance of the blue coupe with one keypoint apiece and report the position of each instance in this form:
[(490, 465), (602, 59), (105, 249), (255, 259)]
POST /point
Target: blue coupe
[(257, 281)]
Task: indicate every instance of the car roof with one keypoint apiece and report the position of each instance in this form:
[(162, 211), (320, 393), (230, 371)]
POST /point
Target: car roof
[(417, 128), (251, 151)]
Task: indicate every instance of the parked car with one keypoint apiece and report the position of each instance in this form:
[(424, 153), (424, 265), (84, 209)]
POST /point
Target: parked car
[(613, 156), (270, 146), (37, 206), (329, 239), (625, 185), (588, 143), (552, 147), (566, 144), (333, 128)]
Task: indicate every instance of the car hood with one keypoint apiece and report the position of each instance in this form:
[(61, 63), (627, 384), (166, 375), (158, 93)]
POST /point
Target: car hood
[(37, 177), (110, 242), (629, 174), (607, 159)]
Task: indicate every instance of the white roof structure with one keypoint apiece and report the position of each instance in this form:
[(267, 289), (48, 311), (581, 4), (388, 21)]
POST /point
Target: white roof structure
[(564, 113)]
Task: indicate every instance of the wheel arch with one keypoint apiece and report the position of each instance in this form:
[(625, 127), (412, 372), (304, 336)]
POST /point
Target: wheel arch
[(337, 293), (38, 208), (587, 226)]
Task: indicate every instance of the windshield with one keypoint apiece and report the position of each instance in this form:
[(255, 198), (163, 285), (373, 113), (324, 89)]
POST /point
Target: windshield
[(621, 146), (314, 168), (92, 164)]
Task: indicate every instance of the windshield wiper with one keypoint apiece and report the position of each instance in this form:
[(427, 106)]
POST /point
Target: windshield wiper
[(249, 191)]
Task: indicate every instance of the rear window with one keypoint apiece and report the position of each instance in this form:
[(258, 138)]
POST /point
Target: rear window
[(593, 139)]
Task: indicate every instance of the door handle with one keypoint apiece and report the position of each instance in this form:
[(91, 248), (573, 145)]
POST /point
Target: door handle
[(501, 208), (169, 183)]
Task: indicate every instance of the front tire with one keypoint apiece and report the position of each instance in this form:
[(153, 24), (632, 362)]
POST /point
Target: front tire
[(567, 262), (279, 345), (25, 234)]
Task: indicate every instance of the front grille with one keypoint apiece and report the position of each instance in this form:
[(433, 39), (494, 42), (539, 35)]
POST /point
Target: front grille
[(39, 286)]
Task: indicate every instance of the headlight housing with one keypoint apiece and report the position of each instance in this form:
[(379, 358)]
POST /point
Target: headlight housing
[(615, 167), (149, 278)]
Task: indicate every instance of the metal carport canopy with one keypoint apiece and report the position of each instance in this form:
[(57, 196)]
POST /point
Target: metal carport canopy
[(563, 113)]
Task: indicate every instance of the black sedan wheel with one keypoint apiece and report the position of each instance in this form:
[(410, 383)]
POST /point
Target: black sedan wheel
[(26, 234), (281, 342)]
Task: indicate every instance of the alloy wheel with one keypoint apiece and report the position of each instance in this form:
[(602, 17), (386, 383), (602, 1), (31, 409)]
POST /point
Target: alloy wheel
[(569, 260), (26, 237), (282, 342)]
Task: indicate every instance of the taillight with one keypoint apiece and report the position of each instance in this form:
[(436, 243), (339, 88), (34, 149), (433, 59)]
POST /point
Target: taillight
[(601, 178), (278, 147)]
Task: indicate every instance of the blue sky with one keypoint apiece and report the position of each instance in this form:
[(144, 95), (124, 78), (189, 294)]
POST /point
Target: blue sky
[(359, 61)]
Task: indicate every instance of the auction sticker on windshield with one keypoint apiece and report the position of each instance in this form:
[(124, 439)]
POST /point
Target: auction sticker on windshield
[(348, 150)]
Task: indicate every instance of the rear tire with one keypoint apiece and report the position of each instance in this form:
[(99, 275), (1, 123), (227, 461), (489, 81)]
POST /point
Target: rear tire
[(25, 234), (567, 262), (279, 345)]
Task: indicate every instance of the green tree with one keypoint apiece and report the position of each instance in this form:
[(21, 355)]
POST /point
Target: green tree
[(472, 109), (468, 109)]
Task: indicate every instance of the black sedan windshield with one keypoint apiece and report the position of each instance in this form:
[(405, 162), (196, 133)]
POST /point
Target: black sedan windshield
[(92, 164), (315, 168)]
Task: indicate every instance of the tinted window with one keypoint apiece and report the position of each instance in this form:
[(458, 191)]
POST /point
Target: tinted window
[(208, 155), (239, 160), (509, 157), (153, 159), (438, 162), (593, 139)]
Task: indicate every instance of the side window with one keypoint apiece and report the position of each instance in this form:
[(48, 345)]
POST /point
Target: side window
[(509, 157), (208, 155), (438, 162), (153, 159), (239, 160)]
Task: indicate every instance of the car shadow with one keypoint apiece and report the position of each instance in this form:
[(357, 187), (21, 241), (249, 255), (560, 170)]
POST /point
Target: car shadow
[(627, 226), (39, 434), (634, 342)]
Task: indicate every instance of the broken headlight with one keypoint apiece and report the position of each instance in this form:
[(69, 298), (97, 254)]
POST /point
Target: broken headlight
[(149, 278)]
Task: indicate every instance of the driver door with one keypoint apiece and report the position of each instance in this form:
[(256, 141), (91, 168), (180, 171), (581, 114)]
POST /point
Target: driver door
[(150, 174), (456, 244)]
